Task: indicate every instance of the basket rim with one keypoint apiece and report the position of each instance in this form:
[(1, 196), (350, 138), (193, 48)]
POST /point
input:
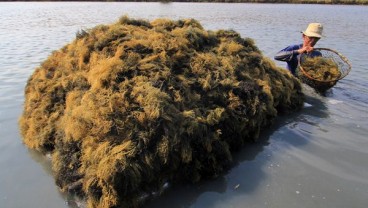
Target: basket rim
[(325, 81)]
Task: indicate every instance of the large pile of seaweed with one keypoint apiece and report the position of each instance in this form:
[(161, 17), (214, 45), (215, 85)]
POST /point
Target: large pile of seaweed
[(130, 106)]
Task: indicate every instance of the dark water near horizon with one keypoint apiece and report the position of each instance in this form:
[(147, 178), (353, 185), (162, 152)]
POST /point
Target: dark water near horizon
[(317, 157)]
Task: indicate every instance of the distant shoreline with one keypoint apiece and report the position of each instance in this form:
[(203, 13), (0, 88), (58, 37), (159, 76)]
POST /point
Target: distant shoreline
[(341, 2)]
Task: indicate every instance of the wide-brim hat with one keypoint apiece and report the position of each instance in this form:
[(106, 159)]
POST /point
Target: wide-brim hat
[(314, 30)]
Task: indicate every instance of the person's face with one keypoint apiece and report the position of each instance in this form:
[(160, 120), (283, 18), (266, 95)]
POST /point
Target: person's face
[(310, 41)]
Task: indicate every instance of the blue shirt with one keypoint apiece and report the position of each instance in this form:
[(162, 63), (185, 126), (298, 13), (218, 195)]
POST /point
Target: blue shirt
[(290, 55)]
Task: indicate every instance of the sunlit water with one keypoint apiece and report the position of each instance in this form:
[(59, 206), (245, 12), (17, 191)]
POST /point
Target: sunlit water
[(314, 158)]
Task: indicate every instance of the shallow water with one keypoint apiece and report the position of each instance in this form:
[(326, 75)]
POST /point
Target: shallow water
[(313, 158)]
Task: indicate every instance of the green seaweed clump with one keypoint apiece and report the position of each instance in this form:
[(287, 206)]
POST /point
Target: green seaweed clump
[(319, 72), (321, 69), (128, 107)]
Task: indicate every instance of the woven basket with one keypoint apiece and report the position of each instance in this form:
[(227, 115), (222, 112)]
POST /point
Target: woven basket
[(341, 61)]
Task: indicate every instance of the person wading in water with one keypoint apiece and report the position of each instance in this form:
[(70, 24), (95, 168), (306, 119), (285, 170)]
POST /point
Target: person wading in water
[(291, 53)]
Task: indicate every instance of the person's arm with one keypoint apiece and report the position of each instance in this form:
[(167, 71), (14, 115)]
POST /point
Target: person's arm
[(287, 53)]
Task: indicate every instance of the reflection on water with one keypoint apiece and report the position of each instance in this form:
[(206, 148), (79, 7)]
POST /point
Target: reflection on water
[(248, 170), (312, 158), (186, 195), (45, 162)]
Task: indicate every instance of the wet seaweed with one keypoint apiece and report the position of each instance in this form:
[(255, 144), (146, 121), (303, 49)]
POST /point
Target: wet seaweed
[(321, 73), (321, 69), (128, 107)]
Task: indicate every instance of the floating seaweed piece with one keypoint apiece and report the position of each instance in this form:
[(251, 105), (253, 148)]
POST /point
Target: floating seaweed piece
[(126, 108)]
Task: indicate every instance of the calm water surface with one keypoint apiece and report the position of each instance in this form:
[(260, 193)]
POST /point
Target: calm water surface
[(315, 158)]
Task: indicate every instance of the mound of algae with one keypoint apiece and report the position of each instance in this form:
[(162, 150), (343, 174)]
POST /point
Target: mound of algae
[(128, 107)]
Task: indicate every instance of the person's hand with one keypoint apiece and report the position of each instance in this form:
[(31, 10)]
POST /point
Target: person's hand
[(306, 49)]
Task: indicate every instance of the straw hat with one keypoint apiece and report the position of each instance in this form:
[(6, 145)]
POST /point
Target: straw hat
[(314, 30)]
